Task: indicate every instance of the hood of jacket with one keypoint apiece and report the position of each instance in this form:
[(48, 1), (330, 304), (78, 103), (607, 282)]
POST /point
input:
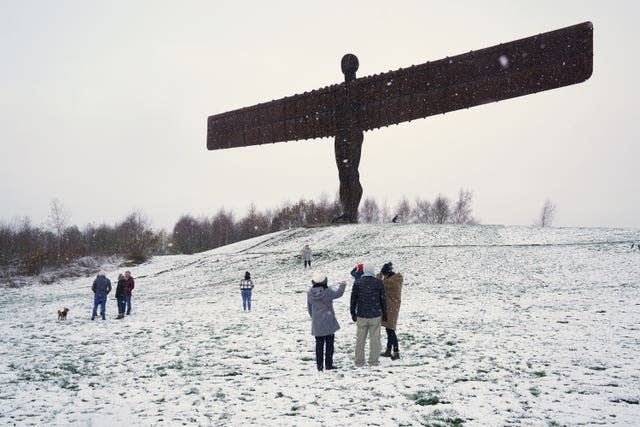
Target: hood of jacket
[(317, 293)]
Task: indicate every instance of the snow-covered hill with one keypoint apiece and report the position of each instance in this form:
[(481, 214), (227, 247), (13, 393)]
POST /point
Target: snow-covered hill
[(498, 326)]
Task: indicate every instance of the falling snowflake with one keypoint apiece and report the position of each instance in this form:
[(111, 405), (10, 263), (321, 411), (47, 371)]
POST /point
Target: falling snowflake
[(504, 61)]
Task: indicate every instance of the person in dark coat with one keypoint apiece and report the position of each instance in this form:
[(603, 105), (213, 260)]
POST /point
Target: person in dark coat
[(323, 318), (128, 289), (121, 296), (101, 288), (368, 310), (357, 271), (393, 290)]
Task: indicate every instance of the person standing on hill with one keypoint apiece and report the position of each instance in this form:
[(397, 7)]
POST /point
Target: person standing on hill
[(393, 290), (128, 289), (101, 288), (121, 296), (368, 309), (357, 271), (246, 285), (306, 256), (323, 318)]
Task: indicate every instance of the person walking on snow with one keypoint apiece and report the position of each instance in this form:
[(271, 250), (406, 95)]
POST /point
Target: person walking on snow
[(246, 285), (128, 289), (306, 256), (323, 318), (393, 290), (101, 288), (368, 308)]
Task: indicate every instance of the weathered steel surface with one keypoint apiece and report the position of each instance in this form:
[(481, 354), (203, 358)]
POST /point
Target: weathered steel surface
[(547, 61)]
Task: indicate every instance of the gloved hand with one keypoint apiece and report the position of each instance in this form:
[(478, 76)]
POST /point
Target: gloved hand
[(354, 318), (384, 318)]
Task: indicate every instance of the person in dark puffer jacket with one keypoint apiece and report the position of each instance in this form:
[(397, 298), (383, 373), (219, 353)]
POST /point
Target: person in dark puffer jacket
[(101, 288), (368, 310), (323, 318)]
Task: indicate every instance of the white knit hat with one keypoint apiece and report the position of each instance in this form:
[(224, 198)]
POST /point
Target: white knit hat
[(369, 269), (319, 278)]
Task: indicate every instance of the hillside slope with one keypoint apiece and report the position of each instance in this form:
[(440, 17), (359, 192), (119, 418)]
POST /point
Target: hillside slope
[(498, 325)]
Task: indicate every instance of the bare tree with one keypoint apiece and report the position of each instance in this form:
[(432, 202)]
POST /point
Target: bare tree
[(253, 224), (441, 210), (385, 210), (370, 213), (547, 214), (57, 221), (462, 210), (422, 213), (403, 210), (136, 239)]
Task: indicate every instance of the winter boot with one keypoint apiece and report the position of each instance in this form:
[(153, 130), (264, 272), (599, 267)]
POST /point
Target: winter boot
[(120, 316), (387, 352), (93, 317), (395, 355), (104, 317)]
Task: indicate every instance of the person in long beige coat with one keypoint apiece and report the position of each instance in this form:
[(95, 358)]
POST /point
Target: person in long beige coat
[(393, 288)]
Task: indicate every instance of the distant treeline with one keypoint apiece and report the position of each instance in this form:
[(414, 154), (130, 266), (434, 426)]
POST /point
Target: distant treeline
[(26, 249)]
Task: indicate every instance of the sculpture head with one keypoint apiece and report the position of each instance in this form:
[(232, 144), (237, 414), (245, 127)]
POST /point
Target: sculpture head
[(349, 65)]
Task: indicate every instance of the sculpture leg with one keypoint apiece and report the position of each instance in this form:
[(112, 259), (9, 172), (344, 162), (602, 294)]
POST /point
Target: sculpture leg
[(348, 147)]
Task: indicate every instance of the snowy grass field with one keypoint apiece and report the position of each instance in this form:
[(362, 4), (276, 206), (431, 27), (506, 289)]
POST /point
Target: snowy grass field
[(499, 326)]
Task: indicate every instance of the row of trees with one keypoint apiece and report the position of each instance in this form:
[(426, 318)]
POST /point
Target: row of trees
[(440, 211), (199, 234), (28, 248)]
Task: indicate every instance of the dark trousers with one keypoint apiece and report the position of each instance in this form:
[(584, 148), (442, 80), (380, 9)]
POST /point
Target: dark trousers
[(122, 305), (127, 300), (321, 342), (392, 339), (307, 263)]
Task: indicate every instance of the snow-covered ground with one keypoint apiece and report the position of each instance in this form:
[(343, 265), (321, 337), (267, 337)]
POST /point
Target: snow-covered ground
[(498, 326)]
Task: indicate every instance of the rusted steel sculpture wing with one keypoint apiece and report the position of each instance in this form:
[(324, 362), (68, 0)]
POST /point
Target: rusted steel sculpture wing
[(547, 61), (522, 67), (304, 116)]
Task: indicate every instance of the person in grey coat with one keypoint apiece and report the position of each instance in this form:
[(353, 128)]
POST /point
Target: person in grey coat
[(323, 318), (306, 256)]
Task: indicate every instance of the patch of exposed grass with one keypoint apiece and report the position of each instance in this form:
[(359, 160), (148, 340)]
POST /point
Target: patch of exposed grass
[(424, 399), (441, 419)]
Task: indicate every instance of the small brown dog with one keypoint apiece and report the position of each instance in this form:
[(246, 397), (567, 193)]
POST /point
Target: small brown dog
[(62, 314)]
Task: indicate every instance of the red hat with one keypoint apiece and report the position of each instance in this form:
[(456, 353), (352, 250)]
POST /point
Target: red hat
[(360, 267)]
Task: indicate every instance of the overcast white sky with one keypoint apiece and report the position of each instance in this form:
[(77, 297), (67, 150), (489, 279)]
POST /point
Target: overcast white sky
[(104, 105)]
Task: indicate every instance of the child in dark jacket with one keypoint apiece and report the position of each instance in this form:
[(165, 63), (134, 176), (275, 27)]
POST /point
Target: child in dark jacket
[(357, 271)]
